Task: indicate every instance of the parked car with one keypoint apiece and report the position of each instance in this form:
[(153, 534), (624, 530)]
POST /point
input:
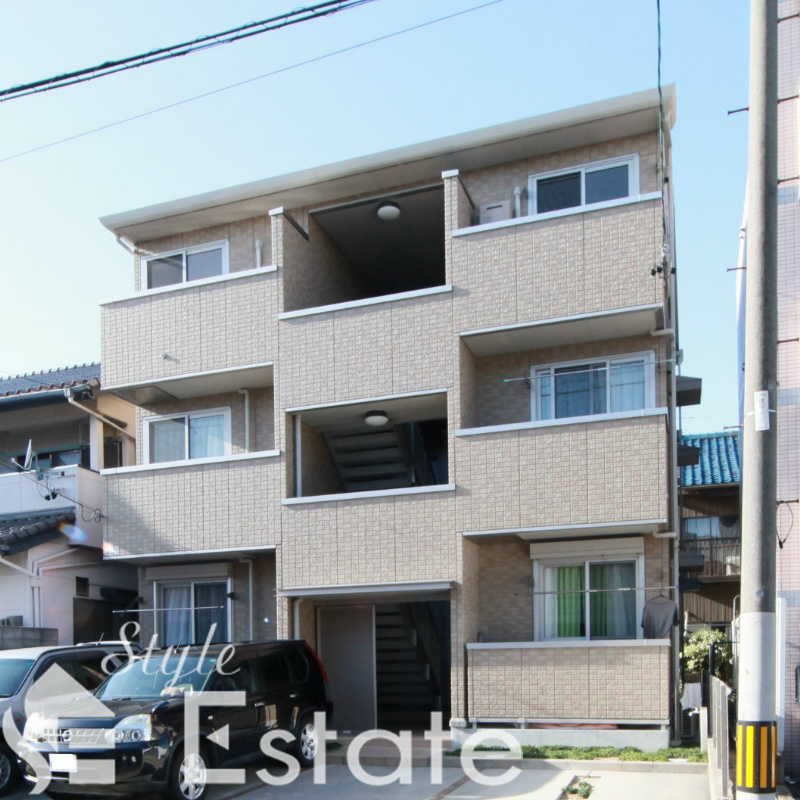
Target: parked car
[(143, 735), (20, 668)]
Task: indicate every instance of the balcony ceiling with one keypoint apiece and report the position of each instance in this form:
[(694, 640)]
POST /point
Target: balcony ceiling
[(613, 324), (184, 387), (396, 256), (412, 408)]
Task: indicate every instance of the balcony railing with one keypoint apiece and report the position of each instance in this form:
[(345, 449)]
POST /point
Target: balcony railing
[(722, 556)]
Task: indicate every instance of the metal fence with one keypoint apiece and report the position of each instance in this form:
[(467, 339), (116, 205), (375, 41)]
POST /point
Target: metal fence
[(722, 556), (719, 756)]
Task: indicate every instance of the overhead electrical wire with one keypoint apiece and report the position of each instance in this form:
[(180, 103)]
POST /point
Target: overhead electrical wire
[(324, 9), (270, 74)]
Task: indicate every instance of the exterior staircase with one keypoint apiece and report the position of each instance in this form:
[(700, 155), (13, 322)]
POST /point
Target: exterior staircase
[(409, 686)]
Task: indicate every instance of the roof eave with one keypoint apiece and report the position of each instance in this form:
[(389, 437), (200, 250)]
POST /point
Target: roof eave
[(594, 122)]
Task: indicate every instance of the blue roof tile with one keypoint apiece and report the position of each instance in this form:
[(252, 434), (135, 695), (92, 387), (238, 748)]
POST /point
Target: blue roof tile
[(719, 459), (50, 379)]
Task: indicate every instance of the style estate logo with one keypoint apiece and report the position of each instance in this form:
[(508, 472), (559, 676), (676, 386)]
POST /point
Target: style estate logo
[(68, 727)]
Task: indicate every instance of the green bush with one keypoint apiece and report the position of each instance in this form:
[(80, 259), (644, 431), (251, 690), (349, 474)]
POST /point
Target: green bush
[(696, 652)]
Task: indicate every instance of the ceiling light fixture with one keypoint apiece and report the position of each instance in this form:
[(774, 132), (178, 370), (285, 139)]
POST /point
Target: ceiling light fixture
[(388, 211), (376, 418)]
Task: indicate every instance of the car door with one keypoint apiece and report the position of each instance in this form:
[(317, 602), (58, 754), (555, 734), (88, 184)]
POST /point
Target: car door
[(279, 696), (242, 722)]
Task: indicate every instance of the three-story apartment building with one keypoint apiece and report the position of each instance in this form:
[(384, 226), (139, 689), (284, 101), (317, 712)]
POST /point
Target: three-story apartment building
[(418, 409)]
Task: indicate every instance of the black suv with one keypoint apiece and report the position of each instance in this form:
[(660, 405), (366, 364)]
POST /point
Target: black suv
[(140, 738), (20, 668)]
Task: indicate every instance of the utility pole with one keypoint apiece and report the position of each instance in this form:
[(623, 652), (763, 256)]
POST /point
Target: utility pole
[(757, 726)]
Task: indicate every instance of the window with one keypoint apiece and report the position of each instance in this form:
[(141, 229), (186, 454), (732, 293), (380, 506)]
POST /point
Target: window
[(181, 266), (188, 611), (81, 587), (593, 596), (624, 383), (584, 185), (726, 527), (181, 437)]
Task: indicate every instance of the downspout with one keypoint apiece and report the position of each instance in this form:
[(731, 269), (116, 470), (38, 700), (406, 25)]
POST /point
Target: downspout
[(250, 599), (259, 246), (37, 573), (246, 394), (298, 466), (96, 414), (126, 244), (296, 617)]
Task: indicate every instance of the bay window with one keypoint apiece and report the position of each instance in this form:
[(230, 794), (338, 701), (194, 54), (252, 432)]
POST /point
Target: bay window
[(584, 185), (182, 266), (598, 386), (182, 437)]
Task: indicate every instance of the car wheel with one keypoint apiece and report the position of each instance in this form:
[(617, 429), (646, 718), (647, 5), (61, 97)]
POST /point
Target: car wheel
[(188, 779), (9, 771), (306, 744)]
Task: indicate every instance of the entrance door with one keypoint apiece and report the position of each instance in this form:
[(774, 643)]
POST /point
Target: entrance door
[(346, 645)]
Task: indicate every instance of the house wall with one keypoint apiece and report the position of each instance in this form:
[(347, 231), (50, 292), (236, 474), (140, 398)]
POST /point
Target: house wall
[(241, 237), (319, 472), (570, 683), (189, 329)]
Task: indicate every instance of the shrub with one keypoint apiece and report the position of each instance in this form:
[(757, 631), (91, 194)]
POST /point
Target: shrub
[(696, 652)]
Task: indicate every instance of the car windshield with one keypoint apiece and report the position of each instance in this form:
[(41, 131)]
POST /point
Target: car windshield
[(158, 676), (12, 673)]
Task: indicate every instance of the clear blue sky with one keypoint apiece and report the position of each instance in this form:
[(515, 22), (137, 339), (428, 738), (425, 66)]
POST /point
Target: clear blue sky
[(510, 60)]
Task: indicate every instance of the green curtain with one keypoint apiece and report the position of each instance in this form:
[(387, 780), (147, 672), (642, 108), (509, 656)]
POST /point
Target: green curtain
[(612, 614), (564, 603)]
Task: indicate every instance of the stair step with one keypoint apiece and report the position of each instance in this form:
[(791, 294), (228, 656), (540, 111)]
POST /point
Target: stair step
[(389, 483), (390, 469), (357, 458), (363, 441)]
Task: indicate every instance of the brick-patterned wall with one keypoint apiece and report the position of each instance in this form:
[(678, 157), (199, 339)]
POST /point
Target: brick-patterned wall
[(261, 408), (316, 273), (581, 683), (262, 419), (198, 328), (500, 403), (506, 602), (594, 261), (585, 473), (468, 383), (492, 184), (194, 507), (320, 475), (464, 621), (241, 237)]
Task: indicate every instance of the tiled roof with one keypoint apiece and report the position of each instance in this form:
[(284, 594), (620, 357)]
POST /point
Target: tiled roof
[(50, 379), (719, 459), (24, 530)]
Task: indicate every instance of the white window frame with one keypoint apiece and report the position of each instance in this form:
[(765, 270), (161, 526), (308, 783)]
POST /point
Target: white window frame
[(539, 564), (632, 162), (185, 252), (206, 412), (159, 606), (648, 356)]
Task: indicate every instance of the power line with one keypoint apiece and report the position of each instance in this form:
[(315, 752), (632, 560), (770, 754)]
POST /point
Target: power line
[(184, 48), (248, 80)]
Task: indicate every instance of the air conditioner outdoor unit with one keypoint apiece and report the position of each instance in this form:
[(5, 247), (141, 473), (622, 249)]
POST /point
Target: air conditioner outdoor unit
[(14, 622), (495, 212)]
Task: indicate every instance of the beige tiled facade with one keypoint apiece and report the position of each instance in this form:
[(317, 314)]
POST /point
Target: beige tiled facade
[(611, 471)]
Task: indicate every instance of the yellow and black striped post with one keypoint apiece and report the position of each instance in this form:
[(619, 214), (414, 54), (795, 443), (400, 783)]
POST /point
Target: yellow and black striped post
[(756, 755)]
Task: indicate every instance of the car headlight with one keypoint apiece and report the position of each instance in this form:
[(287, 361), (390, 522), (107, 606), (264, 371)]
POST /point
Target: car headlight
[(35, 728), (137, 728)]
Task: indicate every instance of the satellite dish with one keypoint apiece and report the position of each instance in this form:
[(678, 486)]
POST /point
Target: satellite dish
[(29, 455)]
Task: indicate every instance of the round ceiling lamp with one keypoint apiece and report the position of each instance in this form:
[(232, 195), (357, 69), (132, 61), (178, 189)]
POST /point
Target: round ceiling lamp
[(376, 418), (388, 211)]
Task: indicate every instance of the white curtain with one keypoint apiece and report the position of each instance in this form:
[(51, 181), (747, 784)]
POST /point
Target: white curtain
[(627, 386), (168, 440), (207, 436), (176, 617)]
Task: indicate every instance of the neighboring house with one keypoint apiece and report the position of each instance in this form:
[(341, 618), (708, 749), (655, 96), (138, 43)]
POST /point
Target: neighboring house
[(418, 408), (788, 411), (57, 430), (710, 530)]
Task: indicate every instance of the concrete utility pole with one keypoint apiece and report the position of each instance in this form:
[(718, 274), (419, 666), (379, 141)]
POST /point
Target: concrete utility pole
[(757, 727)]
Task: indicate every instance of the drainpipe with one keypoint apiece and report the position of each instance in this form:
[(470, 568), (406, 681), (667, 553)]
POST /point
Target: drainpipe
[(259, 246), (250, 599), (665, 535), (96, 414), (298, 466), (518, 192), (296, 617), (246, 394), (37, 574)]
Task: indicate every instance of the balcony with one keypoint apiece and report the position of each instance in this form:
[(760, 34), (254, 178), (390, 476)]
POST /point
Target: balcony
[(617, 683), (216, 504), (58, 488), (721, 557), (212, 326)]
